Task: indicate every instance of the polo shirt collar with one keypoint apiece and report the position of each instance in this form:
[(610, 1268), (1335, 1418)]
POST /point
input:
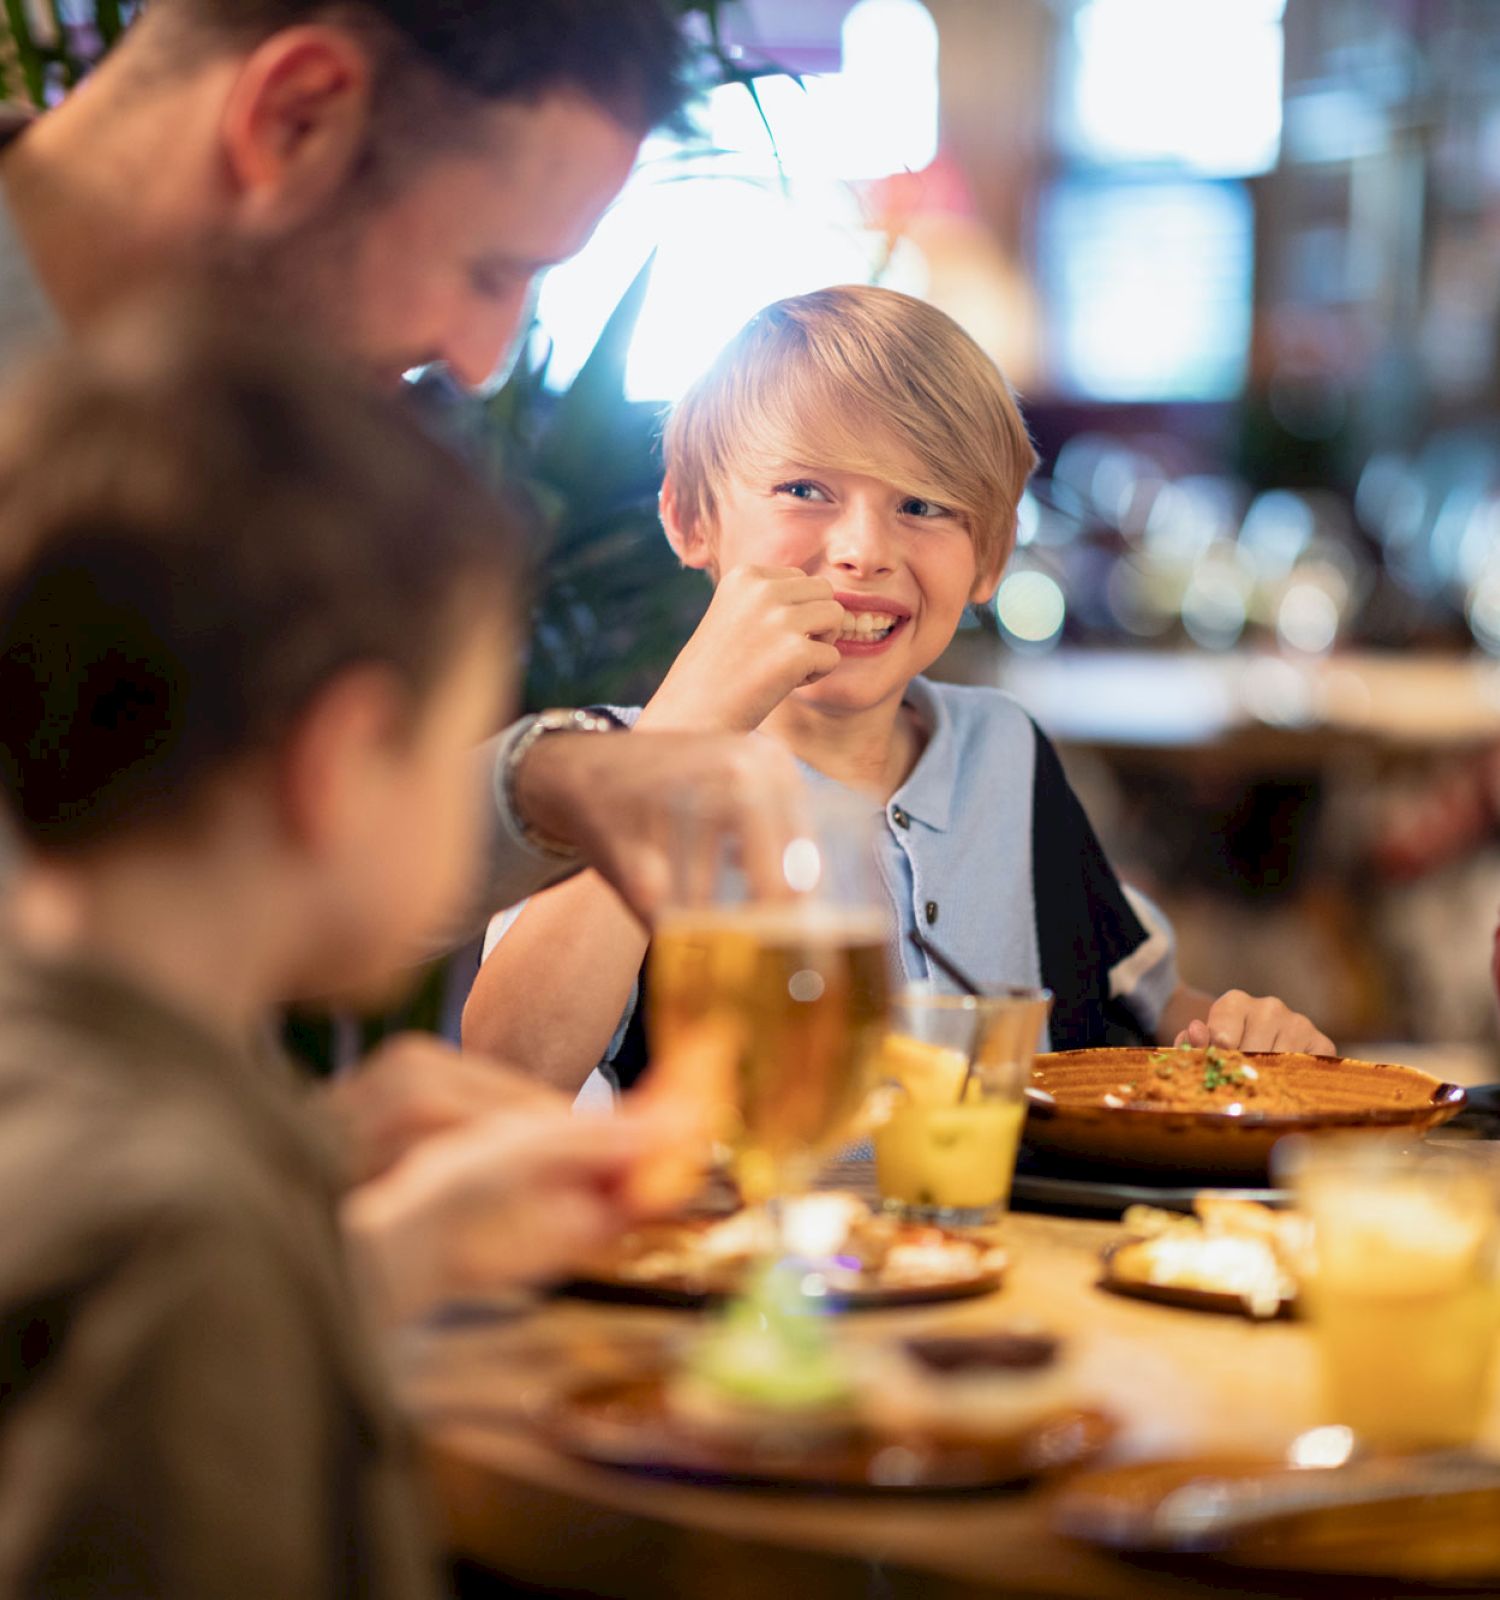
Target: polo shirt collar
[(927, 794)]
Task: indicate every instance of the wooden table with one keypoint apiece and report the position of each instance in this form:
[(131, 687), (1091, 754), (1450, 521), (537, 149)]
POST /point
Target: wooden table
[(1182, 1382)]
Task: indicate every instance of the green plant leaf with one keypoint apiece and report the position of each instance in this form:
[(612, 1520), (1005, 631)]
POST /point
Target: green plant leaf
[(29, 57)]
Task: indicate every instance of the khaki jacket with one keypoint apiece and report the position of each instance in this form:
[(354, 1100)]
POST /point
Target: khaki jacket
[(190, 1406)]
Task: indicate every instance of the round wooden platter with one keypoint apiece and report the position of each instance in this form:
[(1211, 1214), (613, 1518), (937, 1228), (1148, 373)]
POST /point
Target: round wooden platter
[(626, 1422), (1069, 1116), (616, 1279), (1431, 1520)]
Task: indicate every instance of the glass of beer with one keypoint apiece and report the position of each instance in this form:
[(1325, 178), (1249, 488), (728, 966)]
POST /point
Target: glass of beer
[(1403, 1283), (954, 1070), (766, 986)]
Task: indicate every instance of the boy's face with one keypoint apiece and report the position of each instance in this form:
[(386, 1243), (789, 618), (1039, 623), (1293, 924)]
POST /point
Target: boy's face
[(404, 825), (903, 566)]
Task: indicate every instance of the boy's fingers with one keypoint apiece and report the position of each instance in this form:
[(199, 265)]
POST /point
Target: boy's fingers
[(1263, 1019), (1298, 1033), (821, 660), (822, 619)]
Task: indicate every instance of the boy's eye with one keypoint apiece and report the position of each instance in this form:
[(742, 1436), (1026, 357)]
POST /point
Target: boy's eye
[(800, 489), (913, 507)]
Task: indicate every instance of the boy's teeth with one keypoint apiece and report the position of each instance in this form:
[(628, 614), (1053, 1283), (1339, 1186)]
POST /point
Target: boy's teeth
[(866, 625)]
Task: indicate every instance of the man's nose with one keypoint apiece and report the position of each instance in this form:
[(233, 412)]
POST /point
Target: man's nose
[(482, 347)]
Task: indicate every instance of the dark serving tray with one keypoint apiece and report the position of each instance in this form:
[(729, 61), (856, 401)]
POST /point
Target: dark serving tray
[(1043, 1183)]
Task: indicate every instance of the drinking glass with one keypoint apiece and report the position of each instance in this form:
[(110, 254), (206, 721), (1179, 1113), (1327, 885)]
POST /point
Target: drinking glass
[(955, 1070), (767, 984), (1403, 1283)]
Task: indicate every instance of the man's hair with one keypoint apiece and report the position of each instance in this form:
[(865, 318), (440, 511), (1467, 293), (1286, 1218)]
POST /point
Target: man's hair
[(197, 535), (863, 380), (628, 56)]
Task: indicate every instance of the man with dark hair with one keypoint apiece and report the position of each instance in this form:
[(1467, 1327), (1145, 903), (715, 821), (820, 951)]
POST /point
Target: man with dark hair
[(390, 176)]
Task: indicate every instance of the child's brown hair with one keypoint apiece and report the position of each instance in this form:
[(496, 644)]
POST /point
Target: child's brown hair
[(863, 380), (198, 531)]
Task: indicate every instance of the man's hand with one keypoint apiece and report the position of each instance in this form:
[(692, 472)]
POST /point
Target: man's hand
[(512, 1200), (1238, 1021), (767, 631), (617, 799), (415, 1086)]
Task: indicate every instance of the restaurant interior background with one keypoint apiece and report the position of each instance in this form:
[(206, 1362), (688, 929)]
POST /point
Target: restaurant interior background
[(1242, 260)]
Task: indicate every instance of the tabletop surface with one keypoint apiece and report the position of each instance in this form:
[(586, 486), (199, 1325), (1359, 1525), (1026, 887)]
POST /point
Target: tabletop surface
[(1181, 1382)]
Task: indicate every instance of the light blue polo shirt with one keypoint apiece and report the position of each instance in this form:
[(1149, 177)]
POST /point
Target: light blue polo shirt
[(956, 853)]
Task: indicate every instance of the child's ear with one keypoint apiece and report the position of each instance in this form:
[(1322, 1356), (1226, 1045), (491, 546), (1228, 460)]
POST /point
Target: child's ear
[(987, 580), (332, 768), (689, 539)]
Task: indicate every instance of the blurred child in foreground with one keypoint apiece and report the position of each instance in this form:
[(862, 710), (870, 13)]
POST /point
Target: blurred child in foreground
[(848, 473), (252, 624)]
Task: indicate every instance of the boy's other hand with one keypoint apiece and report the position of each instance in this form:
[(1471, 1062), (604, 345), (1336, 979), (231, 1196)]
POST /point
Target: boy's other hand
[(515, 1199), (615, 798), (1238, 1021), (768, 630), (415, 1086)]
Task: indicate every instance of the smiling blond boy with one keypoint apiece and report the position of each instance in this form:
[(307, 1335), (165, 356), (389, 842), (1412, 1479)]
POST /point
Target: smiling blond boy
[(848, 474)]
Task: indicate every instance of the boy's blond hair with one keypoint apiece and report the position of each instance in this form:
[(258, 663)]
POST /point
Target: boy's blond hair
[(862, 380)]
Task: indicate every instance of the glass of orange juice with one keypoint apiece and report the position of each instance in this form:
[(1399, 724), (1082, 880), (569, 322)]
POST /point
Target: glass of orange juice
[(1403, 1284), (954, 1070)]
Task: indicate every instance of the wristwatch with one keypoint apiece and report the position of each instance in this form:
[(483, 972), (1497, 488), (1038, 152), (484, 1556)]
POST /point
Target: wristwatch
[(545, 722)]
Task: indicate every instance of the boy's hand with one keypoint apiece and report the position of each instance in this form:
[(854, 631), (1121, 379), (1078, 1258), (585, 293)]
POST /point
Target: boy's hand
[(414, 1086), (768, 630), (515, 1199), (1238, 1021)]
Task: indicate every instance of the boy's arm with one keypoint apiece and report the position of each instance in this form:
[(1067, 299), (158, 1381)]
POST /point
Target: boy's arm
[(1238, 1021), (550, 996)]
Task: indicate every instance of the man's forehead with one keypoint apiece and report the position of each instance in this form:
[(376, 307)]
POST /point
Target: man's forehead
[(552, 166)]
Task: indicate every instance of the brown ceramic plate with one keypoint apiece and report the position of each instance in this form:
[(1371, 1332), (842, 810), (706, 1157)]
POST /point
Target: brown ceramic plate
[(626, 1422), (1070, 1118), (1120, 1276), (688, 1280), (1425, 1519)]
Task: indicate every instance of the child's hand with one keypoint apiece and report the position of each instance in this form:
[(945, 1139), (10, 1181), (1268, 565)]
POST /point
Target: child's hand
[(517, 1198), (1238, 1021), (768, 630)]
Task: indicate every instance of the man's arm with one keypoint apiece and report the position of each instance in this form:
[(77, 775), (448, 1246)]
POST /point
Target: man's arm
[(607, 800)]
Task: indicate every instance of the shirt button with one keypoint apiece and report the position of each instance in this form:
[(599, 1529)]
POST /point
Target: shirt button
[(931, 911), (900, 818)]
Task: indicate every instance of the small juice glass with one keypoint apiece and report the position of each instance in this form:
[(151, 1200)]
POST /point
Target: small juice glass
[(1403, 1285), (954, 1070)]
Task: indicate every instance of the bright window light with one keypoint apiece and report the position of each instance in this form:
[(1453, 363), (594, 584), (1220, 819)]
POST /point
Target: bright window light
[(1195, 83), (733, 229), (1149, 288)]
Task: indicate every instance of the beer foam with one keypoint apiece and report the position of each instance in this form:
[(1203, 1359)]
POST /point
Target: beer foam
[(782, 922)]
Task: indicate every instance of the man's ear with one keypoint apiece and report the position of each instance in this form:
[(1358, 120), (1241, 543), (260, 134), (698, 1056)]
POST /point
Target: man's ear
[(690, 541), (295, 125), (329, 769)]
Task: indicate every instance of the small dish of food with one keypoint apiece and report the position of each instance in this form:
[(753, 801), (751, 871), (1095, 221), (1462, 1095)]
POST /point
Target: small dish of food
[(851, 1256), (773, 1394), (1216, 1112), (1231, 1256)]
